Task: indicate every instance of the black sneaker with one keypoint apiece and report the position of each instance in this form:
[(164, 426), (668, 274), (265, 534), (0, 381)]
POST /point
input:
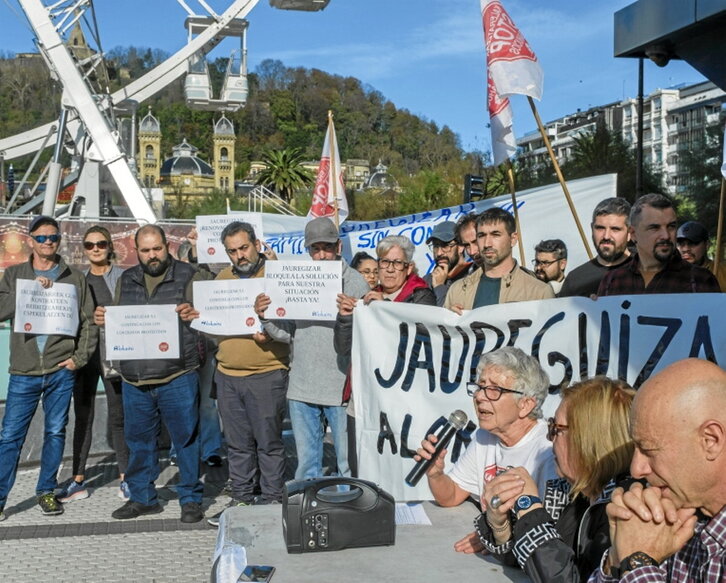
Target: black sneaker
[(191, 512), (49, 506), (214, 461), (214, 520), (135, 509)]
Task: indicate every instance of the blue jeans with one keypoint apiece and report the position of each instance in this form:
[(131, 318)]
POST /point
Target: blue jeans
[(176, 402), (307, 425), (24, 393), (210, 432)]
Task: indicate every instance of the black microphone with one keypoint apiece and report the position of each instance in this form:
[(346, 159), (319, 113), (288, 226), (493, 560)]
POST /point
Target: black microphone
[(457, 420)]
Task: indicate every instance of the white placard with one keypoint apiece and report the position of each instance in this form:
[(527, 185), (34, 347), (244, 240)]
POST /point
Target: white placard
[(46, 311), (209, 230), (226, 306), (303, 290), (142, 332)]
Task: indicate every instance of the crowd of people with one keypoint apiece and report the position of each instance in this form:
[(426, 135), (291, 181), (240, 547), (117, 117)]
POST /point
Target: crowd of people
[(617, 485)]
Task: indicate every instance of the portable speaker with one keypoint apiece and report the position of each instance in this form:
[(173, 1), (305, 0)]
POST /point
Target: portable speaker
[(329, 514)]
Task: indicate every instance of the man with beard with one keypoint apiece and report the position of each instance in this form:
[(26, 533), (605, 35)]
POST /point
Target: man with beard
[(162, 389), (610, 222), (692, 242), (466, 237), (251, 381), (550, 261), (450, 265), (501, 280), (656, 267)]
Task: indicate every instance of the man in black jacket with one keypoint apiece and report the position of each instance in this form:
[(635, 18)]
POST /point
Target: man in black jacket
[(42, 366), (160, 389)]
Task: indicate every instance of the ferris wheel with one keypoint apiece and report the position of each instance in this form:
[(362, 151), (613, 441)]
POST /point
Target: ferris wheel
[(88, 125)]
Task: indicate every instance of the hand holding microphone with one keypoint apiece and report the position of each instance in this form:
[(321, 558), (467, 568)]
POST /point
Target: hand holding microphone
[(433, 447)]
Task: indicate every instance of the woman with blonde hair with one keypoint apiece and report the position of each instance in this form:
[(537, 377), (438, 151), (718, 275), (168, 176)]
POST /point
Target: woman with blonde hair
[(563, 537)]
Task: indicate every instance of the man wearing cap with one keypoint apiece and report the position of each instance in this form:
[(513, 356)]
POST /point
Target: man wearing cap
[(657, 267), (451, 265), (317, 373), (42, 366), (692, 243)]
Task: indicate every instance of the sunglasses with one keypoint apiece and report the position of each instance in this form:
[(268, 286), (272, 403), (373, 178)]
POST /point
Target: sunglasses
[(43, 238), (555, 429), (102, 244)]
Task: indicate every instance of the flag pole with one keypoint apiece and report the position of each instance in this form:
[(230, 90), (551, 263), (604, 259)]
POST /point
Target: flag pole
[(718, 256), (333, 169), (561, 178), (515, 211)]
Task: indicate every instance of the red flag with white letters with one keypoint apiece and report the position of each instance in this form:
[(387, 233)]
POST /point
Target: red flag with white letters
[(504, 145), (512, 64), (329, 193)]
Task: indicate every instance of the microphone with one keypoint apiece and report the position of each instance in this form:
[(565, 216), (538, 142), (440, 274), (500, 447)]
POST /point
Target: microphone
[(457, 420)]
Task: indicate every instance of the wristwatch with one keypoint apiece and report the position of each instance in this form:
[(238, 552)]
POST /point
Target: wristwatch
[(524, 502), (633, 561)]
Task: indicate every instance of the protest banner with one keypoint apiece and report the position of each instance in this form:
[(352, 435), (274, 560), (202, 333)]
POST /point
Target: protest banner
[(303, 290), (410, 363), (209, 230), (40, 310), (543, 214), (226, 306), (142, 332)]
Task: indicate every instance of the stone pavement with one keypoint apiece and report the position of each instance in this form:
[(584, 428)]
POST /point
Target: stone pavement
[(86, 545)]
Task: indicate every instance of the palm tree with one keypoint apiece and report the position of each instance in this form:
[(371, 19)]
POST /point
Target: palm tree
[(284, 172)]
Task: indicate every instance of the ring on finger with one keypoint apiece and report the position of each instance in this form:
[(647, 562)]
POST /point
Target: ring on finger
[(496, 502)]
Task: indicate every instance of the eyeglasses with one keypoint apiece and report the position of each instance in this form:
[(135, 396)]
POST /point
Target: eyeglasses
[(397, 264), (102, 244), (368, 272), (554, 429), (43, 238), (440, 245), (492, 392), (537, 262)]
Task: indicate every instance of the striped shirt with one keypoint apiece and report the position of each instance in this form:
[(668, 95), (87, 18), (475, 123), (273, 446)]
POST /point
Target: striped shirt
[(701, 560)]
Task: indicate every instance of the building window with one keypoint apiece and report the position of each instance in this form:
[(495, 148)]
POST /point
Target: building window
[(223, 154), (149, 152)]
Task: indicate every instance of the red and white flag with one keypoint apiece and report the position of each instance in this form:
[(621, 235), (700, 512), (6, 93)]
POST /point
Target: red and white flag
[(329, 193), (504, 145), (511, 62)]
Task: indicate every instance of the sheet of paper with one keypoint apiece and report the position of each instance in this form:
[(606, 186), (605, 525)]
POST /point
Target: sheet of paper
[(303, 290), (209, 229), (142, 332), (412, 513), (46, 311), (226, 306)]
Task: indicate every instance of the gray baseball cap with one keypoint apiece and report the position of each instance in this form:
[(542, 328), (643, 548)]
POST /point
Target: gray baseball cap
[(321, 230), (444, 232)]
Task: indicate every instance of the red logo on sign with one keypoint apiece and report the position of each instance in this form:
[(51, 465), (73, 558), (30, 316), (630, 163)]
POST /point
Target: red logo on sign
[(163, 347), (503, 40), (28, 327), (211, 251), (250, 322), (280, 312)]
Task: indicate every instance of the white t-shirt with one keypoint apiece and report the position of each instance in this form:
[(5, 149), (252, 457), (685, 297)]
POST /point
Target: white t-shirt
[(486, 455)]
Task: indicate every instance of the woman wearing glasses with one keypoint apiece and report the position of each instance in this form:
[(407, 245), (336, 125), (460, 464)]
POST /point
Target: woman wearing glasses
[(366, 266), (562, 537), (101, 276)]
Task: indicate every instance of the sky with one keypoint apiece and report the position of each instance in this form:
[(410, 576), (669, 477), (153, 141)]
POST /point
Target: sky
[(426, 56)]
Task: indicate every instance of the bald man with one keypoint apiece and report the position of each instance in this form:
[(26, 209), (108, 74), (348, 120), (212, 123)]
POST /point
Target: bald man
[(678, 425)]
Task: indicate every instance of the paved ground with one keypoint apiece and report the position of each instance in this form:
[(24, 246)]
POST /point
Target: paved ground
[(86, 545)]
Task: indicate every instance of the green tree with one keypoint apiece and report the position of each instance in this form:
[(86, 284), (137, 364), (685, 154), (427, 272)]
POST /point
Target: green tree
[(698, 184), (284, 172)]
